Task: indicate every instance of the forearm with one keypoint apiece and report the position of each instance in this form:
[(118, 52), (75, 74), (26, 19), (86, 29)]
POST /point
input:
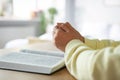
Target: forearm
[(99, 44), (72, 52), (85, 63)]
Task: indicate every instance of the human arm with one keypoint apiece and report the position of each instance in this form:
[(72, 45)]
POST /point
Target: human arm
[(64, 33), (86, 61), (99, 44)]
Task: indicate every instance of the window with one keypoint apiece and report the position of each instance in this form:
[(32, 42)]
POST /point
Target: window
[(25, 8), (96, 18)]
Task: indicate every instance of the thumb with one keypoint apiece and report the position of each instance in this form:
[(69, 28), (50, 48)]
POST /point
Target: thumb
[(69, 25), (64, 28)]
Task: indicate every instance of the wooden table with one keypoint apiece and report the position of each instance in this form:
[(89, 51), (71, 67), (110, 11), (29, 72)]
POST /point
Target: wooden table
[(16, 75), (62, 74)]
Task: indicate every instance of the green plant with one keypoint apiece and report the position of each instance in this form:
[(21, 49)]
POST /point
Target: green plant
[(52, 13), (45, 21)]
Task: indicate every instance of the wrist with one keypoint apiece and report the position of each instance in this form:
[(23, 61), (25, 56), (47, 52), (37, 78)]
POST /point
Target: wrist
[(82, 39)]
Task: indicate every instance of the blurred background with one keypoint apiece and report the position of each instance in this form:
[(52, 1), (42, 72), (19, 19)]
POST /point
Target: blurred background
[(20, 19)]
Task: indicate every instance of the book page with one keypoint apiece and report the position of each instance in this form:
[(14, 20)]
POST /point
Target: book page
[(31, 59), (40, 52)]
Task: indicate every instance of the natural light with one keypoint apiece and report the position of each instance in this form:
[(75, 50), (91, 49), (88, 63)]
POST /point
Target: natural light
[(25, 8)]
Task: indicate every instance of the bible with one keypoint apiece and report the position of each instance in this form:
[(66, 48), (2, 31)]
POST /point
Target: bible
[(45, 62)]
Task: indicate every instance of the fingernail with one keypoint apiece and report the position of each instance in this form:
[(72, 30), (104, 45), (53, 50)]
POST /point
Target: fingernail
[(59, 23)]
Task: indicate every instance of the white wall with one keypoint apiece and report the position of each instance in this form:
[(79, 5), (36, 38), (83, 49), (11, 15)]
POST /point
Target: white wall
[(17, 29), (16, 32), (95, 17)]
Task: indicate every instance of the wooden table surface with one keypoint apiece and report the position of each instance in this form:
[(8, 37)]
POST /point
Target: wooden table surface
[(16, 75)]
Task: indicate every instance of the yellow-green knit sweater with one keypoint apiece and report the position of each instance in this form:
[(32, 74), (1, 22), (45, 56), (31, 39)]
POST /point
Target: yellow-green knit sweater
[(93, 60)]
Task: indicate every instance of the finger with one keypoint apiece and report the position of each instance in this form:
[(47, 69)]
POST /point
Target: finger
[(64, 28), (54, 29), (57, 26), (58, 31), (70, 26), (59, 23)]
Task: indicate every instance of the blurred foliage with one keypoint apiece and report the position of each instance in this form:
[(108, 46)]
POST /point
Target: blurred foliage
[(52, 13), (45, 21)]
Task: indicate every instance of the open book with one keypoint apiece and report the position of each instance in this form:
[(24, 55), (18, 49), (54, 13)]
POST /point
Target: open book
[(45, 62)]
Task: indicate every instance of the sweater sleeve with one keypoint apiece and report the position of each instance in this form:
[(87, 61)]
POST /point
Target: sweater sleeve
[(85, 63), (98, 44)]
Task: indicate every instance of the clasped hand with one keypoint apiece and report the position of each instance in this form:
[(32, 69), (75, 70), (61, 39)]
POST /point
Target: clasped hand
[(63, 33)]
